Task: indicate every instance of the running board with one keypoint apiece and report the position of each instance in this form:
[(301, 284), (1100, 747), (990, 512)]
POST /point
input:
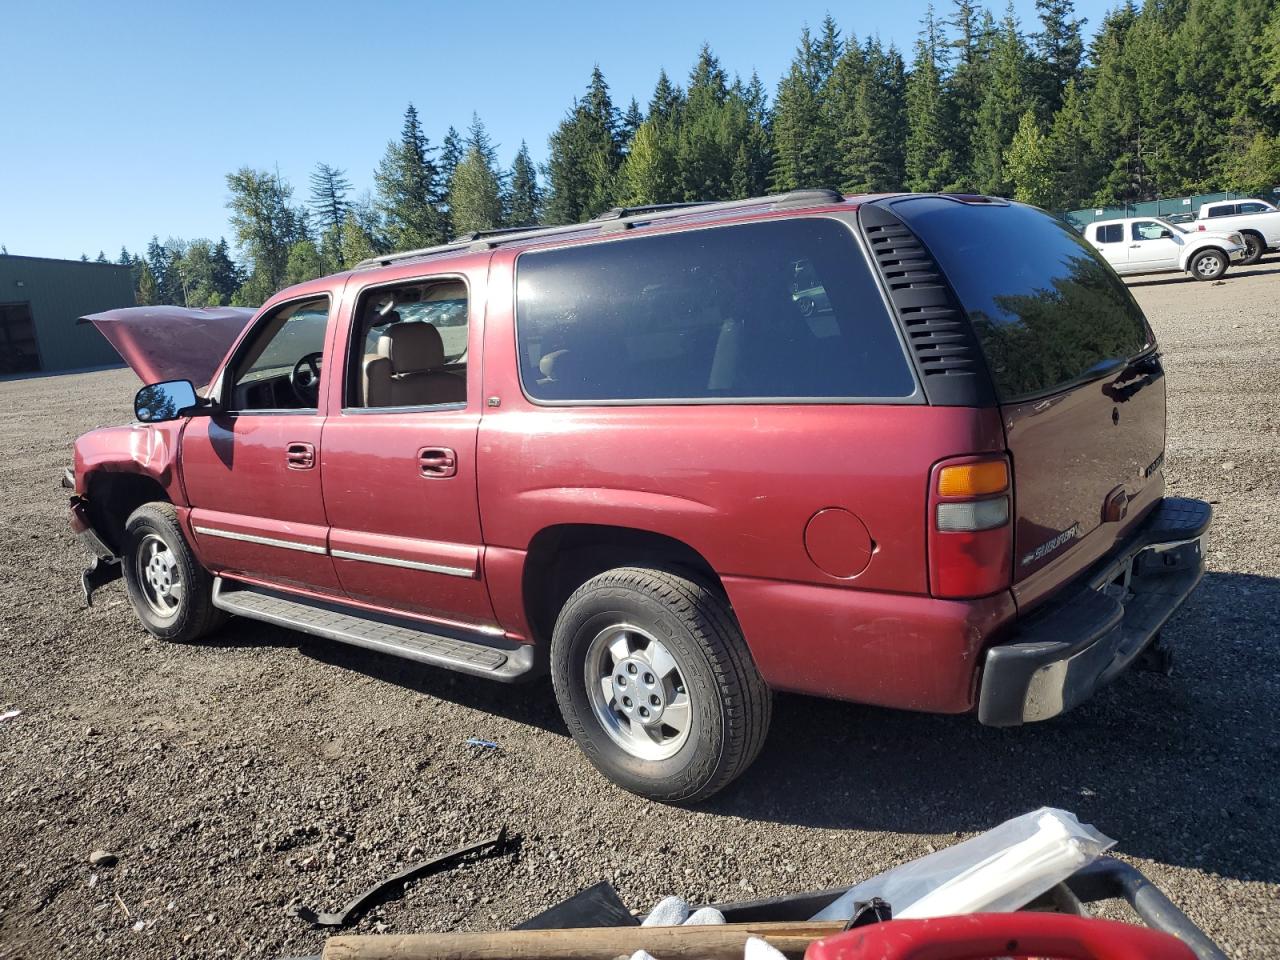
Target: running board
[(460, 650)]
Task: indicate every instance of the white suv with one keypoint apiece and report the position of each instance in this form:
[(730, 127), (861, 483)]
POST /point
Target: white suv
[(1152, 245)]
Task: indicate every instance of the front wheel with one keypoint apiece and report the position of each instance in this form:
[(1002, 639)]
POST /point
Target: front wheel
[(656, 684), (171, 593), (1208, 265), (1254, 248)]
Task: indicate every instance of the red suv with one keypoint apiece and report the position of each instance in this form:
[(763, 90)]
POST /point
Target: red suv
[(903, 450)]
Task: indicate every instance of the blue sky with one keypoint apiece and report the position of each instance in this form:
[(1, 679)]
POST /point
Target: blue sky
[(121, 120)]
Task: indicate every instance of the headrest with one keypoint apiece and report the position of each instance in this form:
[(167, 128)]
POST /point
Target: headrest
[(547, 365), (412, 347)]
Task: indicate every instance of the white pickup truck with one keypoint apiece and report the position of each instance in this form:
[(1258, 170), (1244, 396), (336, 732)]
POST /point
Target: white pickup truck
[(1152, 245), (1257, 222)]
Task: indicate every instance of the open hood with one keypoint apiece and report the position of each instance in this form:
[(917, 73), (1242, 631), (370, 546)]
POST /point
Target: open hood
[(172, 343)]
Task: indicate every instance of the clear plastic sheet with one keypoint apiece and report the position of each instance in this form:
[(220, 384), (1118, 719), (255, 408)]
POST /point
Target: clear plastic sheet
[(995, 872)]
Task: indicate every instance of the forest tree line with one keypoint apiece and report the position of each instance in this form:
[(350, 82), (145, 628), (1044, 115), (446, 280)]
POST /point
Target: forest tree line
[(1170, 98)]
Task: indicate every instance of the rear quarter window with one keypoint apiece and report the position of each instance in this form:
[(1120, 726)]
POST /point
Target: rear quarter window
[(1047, 310), (780, 311)]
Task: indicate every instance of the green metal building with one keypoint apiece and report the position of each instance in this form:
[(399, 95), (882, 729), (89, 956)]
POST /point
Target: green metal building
[(40, 302)]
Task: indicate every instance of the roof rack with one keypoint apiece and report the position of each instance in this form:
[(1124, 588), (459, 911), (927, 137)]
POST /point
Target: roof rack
[(617, 213), (619, 218), (474, 235)]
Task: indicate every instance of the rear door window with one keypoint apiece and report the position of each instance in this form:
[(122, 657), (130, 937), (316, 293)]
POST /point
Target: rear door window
[(1047, 310), (1110, 233), (779, 311), (1226, 210)]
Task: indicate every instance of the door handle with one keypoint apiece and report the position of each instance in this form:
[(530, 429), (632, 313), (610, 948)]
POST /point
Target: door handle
[(1134, 246), (437, 462), (300, 456)]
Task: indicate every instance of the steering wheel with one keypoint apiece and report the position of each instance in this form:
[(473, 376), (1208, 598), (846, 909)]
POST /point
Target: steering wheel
[(305, 378)]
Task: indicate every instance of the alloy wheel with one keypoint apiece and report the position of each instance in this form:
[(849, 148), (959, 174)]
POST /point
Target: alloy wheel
[(637, 692)]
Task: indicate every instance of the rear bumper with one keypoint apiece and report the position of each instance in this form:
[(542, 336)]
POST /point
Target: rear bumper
[(1061, 655)]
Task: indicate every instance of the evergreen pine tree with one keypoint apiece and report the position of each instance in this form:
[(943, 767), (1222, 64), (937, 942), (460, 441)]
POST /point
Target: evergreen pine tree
[(225, 275), (524, 202), (475, 193), (667, 99), (752, 163), (1028, 163), (648, 174), (930, 162), (452, 151), (584, 157), (1006, 96), (406, 181), (631, 121), (712, 127), (1074, 165), (329, 189), (826, 50), (964, 88), (158, 260), (145, 289), (803, 145), (1114, 119), (1059, 47)]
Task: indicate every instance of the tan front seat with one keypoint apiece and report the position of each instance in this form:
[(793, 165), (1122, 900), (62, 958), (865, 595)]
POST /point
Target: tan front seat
[(408, 371)]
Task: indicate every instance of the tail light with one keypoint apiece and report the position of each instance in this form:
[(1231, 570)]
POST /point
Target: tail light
[(970, 527), (1200, 227)]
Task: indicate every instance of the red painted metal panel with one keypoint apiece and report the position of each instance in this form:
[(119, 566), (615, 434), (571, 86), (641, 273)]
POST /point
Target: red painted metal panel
[(380, 504), (238, 481), (504, 572), (894, 650), (1069, 452)]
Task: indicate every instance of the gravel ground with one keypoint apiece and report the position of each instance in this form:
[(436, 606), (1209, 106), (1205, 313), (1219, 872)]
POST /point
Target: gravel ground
[(239, 777)]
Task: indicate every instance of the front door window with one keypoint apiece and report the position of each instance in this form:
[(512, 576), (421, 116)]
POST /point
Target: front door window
[(279, 367)]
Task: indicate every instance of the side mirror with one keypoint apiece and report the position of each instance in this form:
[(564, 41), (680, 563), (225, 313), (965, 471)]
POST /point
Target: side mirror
[(158, 402)]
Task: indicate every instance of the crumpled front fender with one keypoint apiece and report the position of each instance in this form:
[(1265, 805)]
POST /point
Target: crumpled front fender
[(149, 450)]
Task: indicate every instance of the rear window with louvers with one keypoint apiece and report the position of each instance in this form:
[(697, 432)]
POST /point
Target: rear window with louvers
[(1047, 310), (779, 311)]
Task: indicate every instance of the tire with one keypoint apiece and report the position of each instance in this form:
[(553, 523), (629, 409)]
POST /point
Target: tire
[(1254, 248), (707, 685), (171, 593), (1208, 265)]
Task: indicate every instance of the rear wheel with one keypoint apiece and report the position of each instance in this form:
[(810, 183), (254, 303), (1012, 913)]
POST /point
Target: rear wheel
[(1208, 265), (171, 593), (1254, 248), (656, 684)]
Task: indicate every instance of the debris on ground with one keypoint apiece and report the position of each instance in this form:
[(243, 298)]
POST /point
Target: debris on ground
[(386, 889), (477, 742), (103, 858), (10, 714)]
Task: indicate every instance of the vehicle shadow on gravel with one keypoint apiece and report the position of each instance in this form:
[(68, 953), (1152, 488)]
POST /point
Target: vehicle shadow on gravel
[(1262, 268), (1179, 770), (525, 703)]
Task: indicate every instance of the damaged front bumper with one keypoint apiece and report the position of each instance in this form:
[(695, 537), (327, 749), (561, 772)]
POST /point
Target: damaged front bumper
[(1061, 655), (106, 565)]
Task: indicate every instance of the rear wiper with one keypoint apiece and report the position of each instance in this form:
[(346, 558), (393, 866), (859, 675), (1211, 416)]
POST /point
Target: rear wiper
[(1103, 367)]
